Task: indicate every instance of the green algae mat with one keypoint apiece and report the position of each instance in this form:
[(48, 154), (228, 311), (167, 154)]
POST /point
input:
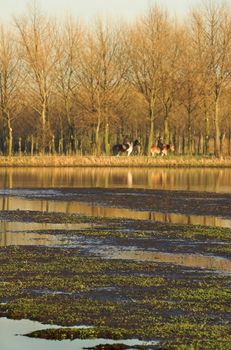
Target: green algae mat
[(182, 307)]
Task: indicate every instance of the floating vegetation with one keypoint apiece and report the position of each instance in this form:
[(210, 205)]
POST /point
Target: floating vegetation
[(156, 300)]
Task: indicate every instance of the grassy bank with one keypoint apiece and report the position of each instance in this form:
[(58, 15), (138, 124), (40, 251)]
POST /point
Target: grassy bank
[(109, 161)]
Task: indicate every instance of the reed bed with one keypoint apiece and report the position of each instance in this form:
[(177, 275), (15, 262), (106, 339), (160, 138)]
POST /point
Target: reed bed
[(110, 161)]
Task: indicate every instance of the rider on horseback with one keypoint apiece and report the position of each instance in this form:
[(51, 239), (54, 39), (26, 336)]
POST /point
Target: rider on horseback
[(160, 144), (126, 147), (126, 143)]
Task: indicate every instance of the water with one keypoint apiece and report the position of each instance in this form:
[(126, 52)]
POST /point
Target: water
[(17, 180), (23, 233), (20, 182), (190, 260), (96, 210), (99, 247), (11, 339), (209, 180)]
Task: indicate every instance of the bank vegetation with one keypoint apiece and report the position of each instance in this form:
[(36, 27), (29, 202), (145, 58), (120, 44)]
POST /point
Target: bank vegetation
[(111, 161)]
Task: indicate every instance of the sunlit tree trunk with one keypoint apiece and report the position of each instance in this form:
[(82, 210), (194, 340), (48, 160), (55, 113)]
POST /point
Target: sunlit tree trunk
[(217, 129)]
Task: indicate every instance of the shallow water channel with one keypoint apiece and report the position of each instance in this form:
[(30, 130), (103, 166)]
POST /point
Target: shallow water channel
[(18, 182)]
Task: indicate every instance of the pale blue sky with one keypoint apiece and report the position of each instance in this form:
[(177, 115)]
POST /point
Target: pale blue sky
[(86, 9)]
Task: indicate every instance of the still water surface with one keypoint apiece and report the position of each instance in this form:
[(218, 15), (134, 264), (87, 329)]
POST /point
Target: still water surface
[(11, 332), (209, 180), (190, 260)]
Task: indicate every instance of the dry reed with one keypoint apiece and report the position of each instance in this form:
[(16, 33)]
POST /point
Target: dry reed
[(109, 161)]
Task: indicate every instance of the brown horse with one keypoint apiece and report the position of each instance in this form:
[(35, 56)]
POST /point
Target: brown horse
[(155, 150)]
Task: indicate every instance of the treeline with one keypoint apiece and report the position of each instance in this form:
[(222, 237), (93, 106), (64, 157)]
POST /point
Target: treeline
[(71, 88)]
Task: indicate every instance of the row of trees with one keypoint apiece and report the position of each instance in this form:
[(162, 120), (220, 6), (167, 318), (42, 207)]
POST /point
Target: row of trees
[(71, 88)]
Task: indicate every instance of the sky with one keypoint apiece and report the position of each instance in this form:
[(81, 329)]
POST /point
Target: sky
[(87, 9)]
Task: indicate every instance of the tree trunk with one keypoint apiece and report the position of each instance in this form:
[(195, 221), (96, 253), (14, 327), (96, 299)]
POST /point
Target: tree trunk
[(152, 127), (20, 146), (183, 144), (43, 126), (97, 136), (190, 132), (178, 144), (206, 136), (229, 143), (52, 145), (166, 127), (174, 141), (201, 144), (106, 138), (222, 139), (217, 129), (9, 137), (7, 134), (61, 143), (32, 146), (166, 131)]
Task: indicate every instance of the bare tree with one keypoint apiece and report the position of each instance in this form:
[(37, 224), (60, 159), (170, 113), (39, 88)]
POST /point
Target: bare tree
[(188, 92), (67, 68), (213, 35), (39, 52), (102, 76), (10, 83), (169, 72), (146, 52)]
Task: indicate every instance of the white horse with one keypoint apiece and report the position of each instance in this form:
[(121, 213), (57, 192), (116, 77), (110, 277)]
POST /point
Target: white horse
[(125, 148)]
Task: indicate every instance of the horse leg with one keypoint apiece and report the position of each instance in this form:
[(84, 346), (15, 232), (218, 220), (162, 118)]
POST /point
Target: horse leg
[(129, 150)]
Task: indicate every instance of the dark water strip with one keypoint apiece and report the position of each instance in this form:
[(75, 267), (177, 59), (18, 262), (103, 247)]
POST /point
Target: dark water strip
[(92, 209)]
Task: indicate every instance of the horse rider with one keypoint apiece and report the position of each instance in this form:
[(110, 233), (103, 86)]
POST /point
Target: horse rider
[(160, 144), (126, 143)]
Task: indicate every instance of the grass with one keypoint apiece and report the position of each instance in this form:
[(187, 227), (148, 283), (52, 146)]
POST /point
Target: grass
[(110, 161)]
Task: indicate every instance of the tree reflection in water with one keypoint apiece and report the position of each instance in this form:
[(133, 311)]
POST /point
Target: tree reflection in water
[(210, 180)]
